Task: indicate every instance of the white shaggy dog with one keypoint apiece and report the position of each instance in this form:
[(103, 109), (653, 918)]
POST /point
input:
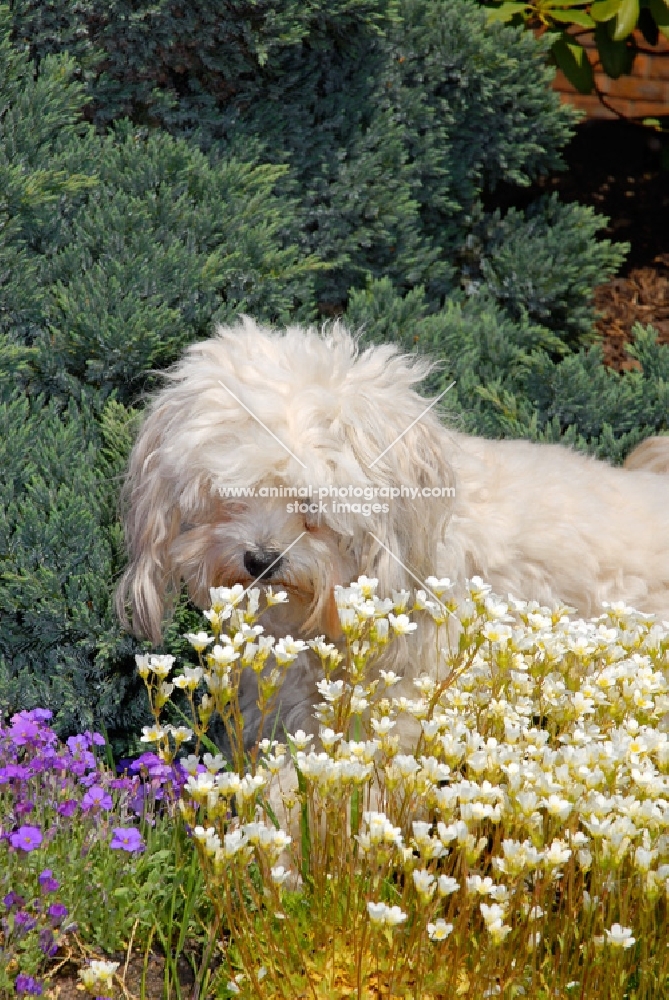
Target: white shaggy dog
[(260, 411)]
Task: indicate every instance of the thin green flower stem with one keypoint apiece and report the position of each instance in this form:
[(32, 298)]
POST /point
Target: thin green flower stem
[(277, 954)]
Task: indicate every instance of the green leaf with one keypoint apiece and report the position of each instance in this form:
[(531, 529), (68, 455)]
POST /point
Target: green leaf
[(604, 10), (574, 63), (507, 11), (579, 17), (626, 19), (616, 57), (550, 4), (660, 11)]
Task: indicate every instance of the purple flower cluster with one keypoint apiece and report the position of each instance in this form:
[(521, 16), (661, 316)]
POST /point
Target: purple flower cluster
[(160, 782), (68, 780), (27, 986), (21, 918), (51, 790)]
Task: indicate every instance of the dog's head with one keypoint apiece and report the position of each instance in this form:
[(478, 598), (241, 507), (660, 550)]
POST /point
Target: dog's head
[(273, 457)]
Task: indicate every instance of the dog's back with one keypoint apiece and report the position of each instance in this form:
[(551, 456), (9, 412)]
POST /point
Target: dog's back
[(546, 523), (652, 455)]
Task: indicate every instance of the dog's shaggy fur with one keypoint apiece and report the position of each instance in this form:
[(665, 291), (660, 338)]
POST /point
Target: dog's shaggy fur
[(538, 521), (652, 455)]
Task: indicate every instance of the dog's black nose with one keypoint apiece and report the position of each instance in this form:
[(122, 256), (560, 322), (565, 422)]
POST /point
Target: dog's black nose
[(262, 563)]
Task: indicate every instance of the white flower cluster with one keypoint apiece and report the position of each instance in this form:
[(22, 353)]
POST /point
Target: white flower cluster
[(540, 760)]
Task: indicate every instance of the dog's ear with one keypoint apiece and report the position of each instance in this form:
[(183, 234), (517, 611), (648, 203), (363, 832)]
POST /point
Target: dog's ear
[(331, 622), (151, 521)]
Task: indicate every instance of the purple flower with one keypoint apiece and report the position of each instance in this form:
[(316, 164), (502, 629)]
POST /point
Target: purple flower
[(12, 772), (96, 798), (48, 882), (46, 942), (68, 808), (26, 984), (26, 838), (23, 730), (25, 807), (24, 922), (126, 839), (13, 899), (57, 911), (38, 714), (123, 784), (77, 744)]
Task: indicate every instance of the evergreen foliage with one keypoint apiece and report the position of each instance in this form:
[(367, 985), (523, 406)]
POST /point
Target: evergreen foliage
[(391, 118), (165, 166), (115, 251), (507, 381)]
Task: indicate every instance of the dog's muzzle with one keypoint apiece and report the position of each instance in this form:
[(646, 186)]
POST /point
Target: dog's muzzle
[(262, 562)]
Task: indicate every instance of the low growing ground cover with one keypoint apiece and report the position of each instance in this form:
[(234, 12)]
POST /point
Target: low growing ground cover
[(517, 846)]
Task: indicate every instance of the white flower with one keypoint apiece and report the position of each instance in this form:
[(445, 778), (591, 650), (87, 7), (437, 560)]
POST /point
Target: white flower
[(492, 913), (377, 912), (189, 679), (620, 937), (223, 656), (446, 885), (440, 930), (222, 598), (330, 690), (213, 764), (381, 913), (557, 854), (400, 600), (279, 874), (161, 665), (401, 624), (152, 734), (367, 586), (142, 661), (481, 886), (301, 739), (281, 597), (406, 764), (382, 726), (424, 883), (557, 806), (199, 640), (98, 973), (233, 843), (389, 677), (181, 734), (329, 737), (287, 649), (439, 587)]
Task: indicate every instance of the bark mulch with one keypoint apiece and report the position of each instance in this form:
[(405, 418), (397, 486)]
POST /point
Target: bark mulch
[(641, 297), (622, 171)]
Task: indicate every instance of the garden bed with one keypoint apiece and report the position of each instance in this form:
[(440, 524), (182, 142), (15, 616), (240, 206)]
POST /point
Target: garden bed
[(621, 170)]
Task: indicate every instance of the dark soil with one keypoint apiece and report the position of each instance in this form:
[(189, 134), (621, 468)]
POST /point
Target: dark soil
[(138, 979), (622, 170)]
